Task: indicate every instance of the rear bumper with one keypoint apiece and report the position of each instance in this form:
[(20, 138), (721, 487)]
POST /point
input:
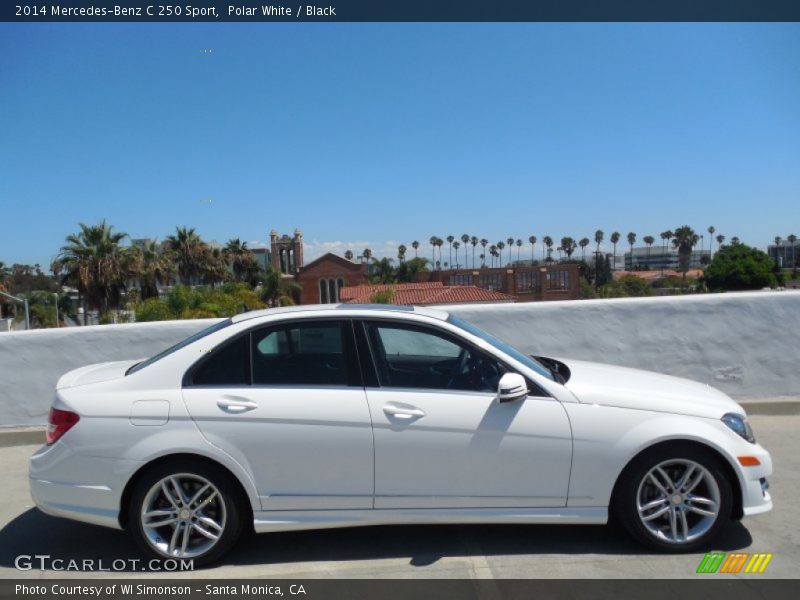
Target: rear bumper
[(83, 488)]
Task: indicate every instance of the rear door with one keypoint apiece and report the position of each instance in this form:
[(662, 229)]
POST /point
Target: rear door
[(287, 400)]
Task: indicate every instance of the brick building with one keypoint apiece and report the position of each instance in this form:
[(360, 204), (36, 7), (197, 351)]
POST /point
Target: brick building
[(323, 278)]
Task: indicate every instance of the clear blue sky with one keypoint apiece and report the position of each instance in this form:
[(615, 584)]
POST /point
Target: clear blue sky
[(383, 133)]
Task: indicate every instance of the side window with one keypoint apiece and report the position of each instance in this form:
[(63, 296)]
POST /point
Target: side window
[(226, 365), (300, 354), (417, 357)]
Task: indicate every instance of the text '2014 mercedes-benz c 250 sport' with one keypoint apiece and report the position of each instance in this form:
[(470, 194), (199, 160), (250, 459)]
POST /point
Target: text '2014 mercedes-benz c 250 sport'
[(336, 416)]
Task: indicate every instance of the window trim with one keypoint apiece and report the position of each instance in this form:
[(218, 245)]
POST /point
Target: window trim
[(534, 389), (349, 349)]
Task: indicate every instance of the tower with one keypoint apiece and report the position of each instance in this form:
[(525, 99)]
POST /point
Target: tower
[(287, 252)]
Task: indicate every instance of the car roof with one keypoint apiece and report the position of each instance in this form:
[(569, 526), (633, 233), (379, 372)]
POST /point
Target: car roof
[(334, 308)]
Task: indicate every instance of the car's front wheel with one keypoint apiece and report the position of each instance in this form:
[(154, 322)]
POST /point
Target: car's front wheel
[(187, 511), (674, 498)]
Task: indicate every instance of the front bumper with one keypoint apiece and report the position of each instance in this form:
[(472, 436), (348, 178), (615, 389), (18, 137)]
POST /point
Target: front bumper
[(83, 488), (754, 483)]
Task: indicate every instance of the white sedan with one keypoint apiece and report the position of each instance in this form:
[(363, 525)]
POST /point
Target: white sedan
[(312, 417)]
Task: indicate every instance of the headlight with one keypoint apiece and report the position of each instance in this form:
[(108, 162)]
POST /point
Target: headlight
[(740, 425)]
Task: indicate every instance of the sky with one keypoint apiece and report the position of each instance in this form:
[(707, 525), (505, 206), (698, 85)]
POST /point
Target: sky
[(372, 135)]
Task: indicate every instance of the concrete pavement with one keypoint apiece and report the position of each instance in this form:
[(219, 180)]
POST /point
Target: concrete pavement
[(422, 551)]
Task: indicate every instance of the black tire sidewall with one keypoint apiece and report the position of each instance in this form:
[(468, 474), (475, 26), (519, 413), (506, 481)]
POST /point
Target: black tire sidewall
[(229, 491), (625, 495)]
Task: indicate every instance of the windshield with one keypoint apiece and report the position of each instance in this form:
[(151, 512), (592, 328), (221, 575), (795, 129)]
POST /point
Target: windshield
[(192, 338), (526, 360)]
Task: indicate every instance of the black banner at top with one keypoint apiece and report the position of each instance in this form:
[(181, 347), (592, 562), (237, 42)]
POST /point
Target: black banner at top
[(399, 10)]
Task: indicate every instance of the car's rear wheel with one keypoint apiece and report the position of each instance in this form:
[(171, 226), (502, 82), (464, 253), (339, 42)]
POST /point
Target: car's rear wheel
[(674, 498), (186, 511)]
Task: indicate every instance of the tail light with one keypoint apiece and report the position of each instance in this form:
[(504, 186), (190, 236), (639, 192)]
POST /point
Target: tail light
[(59, 422)]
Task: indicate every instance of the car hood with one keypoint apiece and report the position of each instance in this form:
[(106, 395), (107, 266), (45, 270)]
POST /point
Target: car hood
[(95, 373), (609, 385)]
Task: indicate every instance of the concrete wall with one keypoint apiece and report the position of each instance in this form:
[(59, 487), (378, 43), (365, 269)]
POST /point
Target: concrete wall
[(746, 344)]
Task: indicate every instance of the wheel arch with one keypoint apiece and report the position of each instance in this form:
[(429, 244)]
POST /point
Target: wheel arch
[(733, 478), (244, 497)]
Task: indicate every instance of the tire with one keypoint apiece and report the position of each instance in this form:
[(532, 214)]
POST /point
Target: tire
[(674, 498), (214, 521)]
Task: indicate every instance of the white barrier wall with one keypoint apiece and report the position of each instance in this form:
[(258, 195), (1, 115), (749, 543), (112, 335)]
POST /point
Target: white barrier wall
[(745, 344)]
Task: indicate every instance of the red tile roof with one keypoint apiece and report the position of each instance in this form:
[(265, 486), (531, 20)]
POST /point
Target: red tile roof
[(423, 293)]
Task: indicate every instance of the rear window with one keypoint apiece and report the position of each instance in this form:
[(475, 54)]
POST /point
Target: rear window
[(182, 344)]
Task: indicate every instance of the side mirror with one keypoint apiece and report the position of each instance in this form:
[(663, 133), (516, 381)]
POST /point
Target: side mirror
[(512, 387)]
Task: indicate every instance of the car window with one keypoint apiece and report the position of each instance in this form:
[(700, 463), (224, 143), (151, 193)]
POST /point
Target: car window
[(300, 353), (228, 364), (417, 357)]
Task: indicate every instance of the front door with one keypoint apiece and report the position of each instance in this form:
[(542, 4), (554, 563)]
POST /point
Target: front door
[(442, 440), (296, 415)]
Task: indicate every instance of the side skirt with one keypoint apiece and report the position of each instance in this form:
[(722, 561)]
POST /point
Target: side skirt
[(267, 521)]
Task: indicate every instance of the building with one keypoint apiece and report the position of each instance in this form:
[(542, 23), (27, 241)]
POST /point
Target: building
[(286, 252), (785, 254), (423, 294), (322, 279), (658, 257)]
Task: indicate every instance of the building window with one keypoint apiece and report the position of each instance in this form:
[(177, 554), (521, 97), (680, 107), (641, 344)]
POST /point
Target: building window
[(330, 290), (526, 281), (491, 281), (461, 279), (323, 291), (558, 280)]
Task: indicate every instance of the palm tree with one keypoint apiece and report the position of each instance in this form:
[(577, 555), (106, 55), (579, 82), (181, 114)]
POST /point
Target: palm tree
[(401, 252), (666, 236), (348, 254), (187, 250), (735, 241), (615, 240), (432, 242), (242, 261), (456, 245), (484, 243), (439, 244), (685, 239), (548, 242), (777, 246), (213, 266), (532, 240), (711, 229), (483, 260), (510, 242), (450, 239), (382, 271), (720, 239), (519, 247), (367, 255), (500, 245), (583, 243), (493, 253), (568, 245), (153, 267), (94, 262), (792, 239), (474, 241), (415, 246), (649, 240), (631, 241), (465, 241), (598, 239)]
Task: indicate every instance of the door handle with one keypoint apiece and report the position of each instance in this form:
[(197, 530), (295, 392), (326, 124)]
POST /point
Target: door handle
[(403, 413), (236, 406)]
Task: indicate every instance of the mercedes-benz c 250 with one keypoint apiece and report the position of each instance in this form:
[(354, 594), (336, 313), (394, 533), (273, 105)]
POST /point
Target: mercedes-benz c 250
[(332, 416)]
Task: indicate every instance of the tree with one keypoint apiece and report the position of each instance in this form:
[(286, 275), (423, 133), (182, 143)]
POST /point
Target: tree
[(450, 239), (439, 244), (519, 248), (493, 252), (583, 243), (366, 255), (711, 229), (415, 246), (242, 261), (348, 254), (568, 245), (187, 251), (153, 268), (615, 240), (456, 245), (433, 241), (684, 239), (401, 252), (631, 241), (382, 271), (465, 241), (598, 239), (94, 262), (720, 239), (532, 240), (407, 270), (735, 240), (213, 266), (548, 242), (500, 245), (510, 242), (484, 243), (474, 241), (740, 267)]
